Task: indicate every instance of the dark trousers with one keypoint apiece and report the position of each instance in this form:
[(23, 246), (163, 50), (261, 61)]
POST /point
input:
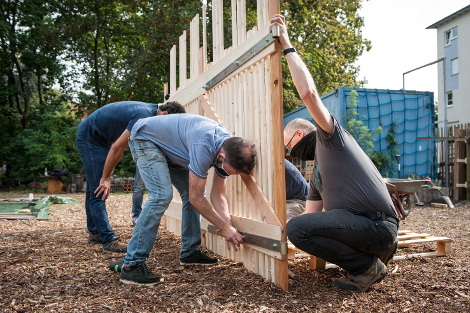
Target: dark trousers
[(342, 238), (93, 158)]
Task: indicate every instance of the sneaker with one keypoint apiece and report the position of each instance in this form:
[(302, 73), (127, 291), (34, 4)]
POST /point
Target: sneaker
[(362, 282), (198, 258), (94, 238), (134, 221), (114, 247), (139, 275), (388, 255), (116, 266)]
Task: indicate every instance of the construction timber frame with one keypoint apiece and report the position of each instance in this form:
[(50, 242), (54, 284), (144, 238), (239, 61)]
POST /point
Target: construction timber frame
[(242, 90)]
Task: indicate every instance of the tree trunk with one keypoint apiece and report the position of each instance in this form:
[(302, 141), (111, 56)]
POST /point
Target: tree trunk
[(41, 99), (12, 87), (24, 117), (107, 69), (97, 77)]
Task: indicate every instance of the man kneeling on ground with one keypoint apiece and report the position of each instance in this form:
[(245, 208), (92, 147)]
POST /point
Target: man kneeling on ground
[(358, 229), (180, 149)]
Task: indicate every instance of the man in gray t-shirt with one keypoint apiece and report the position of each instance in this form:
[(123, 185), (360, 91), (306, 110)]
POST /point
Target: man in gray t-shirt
[(180, 149), (358, 228)]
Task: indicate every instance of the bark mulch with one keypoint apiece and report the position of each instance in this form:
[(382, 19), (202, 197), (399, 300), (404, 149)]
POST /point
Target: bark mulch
[(48, 266)]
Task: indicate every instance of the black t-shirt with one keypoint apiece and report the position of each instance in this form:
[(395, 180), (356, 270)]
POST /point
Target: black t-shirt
[(344, 177)]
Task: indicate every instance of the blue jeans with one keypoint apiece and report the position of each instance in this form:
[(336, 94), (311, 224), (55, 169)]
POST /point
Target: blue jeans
[(138, 194), (342, 238), (93, 158), (158, 177)]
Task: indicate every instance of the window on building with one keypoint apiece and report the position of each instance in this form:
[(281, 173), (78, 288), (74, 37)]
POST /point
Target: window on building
[(455, 66), (447, 38), (450, 35), (450, 101)]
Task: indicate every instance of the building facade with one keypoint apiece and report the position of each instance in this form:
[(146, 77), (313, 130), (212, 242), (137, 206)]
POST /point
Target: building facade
[(453, 44)]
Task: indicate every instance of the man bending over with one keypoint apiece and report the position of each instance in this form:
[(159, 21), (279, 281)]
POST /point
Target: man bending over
[(101, 139), (180, 149)]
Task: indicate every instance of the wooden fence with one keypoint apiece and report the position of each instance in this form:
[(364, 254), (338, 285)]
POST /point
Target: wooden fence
[(241, 89), (458, 155)]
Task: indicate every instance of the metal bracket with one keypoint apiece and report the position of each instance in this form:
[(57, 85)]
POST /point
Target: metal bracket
[(257, 48), (263, 242)]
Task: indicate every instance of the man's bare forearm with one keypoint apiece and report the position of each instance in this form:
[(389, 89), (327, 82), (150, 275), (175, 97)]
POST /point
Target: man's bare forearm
[(205, 208)]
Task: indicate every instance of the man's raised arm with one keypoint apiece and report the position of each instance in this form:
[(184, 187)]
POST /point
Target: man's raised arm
[(303, 80)]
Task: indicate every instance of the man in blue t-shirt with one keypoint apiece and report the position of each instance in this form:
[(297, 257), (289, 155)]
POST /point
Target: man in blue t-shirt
[(180, 149), (101, 140), (296, 191)]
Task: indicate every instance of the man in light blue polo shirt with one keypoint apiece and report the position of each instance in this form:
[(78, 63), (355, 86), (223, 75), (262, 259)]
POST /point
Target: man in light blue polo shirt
[(180, 149)]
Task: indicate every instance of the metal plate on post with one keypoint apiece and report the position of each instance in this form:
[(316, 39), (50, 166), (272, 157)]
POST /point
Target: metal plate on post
[(263, 242), (257, 48)]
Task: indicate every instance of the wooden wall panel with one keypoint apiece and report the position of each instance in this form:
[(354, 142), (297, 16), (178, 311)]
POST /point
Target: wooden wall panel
[(248, 103)]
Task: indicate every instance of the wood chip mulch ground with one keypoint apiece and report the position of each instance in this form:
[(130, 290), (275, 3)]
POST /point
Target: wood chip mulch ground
[(48, 266)]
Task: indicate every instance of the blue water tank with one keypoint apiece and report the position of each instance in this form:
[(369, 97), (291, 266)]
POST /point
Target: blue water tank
[(411, 111)]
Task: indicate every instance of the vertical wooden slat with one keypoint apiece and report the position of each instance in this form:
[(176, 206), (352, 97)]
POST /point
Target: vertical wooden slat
[(275, 273), (263, 144), (194, 47), (256, 261), (204, 39), (259, 13), (234, 24), (241, 20), (182, 58), (173, 70), (267, 77)]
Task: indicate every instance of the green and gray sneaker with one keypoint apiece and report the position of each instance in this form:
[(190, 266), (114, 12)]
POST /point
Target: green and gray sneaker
[(139, 275), (198, 258)]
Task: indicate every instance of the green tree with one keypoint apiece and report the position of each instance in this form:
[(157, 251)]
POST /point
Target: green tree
[(48, 142), (28, 55), (355, 126), (327, 34)]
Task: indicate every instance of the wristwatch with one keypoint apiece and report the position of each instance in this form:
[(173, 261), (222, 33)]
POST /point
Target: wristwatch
[(288, 50)]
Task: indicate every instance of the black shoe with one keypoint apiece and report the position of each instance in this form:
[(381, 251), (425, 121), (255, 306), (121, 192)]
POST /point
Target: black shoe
[(116, 266), (94, 238), (386, 256), (198, 258), (114, 247), (362, 282), (139, 275)]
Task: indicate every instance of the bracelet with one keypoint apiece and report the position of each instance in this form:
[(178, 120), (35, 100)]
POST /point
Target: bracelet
[(288, 50)]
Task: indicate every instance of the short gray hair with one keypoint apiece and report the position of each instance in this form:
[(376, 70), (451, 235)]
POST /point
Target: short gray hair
[(299, 123)]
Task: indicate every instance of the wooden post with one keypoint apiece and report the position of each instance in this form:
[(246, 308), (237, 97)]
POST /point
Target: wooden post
[(54, 185), (317, 263), (278, 147)]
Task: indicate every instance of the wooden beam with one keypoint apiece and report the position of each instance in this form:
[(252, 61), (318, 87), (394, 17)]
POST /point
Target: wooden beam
[(278, 146), (208, 109), (258, 228), (262, 202)]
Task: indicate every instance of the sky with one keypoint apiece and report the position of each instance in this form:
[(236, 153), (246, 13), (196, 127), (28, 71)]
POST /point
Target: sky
[(401, 42)]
